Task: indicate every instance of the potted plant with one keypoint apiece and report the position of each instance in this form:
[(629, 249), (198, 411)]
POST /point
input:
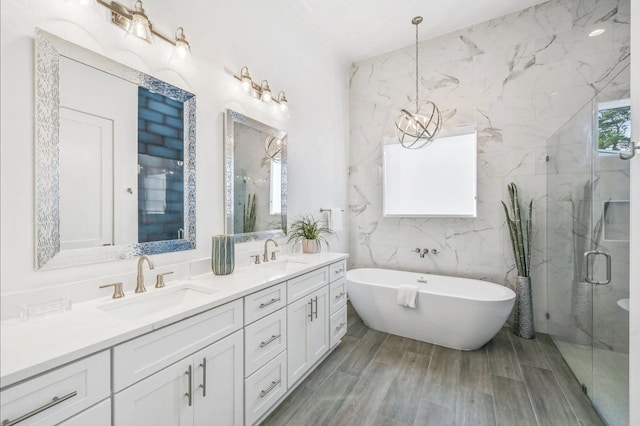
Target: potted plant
[(521, 244), (310, 231)]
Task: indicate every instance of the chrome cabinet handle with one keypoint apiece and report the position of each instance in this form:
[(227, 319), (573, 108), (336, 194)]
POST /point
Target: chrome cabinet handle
[(338, 328), (588, 267), (270, 388), (204, 377), (189, 393), (316, 313), (337, 271), (54, 401), (311, 311), (339, 295), (270, 302), (266, 342)]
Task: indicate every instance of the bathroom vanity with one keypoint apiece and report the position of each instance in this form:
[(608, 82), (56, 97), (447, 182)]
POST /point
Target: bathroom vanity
[(209, 350)]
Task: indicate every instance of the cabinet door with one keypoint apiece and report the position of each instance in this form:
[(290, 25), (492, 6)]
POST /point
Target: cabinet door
[(308, 333), (297, 361), (218, 382), (318, 326), (165, 398)]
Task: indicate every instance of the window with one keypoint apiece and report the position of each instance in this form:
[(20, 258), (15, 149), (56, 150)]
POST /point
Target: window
[(614, 126)]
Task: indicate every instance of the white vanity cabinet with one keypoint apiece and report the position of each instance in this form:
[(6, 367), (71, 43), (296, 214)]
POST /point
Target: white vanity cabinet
[(230, 365), (203, 389)]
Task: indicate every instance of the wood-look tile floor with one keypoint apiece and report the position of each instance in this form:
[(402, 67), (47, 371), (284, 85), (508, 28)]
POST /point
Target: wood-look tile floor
[(374, 378)]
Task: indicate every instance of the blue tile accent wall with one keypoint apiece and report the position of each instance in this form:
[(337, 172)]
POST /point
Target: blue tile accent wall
[(160, 160)]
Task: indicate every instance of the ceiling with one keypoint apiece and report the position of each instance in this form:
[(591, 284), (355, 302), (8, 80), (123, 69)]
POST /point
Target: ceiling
[(359, 29)]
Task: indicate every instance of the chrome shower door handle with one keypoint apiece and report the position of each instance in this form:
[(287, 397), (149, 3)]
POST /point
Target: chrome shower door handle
[(588, 268), (633, 146)]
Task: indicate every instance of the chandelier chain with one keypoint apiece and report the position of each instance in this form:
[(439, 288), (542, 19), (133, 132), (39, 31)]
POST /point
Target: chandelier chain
[(417, 102)]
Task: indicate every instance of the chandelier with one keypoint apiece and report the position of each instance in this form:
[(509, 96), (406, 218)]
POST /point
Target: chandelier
[(419, 129)]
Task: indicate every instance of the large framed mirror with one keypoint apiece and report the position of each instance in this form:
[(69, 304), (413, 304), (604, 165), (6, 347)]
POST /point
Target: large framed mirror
[(115, 159), (255, 201)]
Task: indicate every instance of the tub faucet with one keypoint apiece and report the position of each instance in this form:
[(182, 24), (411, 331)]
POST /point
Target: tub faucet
[(140, 279), (424, 253), (265, 255)]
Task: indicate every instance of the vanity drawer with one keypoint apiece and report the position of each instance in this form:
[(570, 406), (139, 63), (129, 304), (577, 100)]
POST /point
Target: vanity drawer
[(263, 302), (264, 388), (337, 270), (307, 283), (263, 340), (74, 387), (337, 295), (143, 356), (338, 326), (98, 415)]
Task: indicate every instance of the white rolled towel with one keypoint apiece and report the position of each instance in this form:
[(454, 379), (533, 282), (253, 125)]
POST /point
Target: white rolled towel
[(408, 295)]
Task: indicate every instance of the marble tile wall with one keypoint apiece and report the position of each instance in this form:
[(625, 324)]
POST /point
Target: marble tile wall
[(520, 78)]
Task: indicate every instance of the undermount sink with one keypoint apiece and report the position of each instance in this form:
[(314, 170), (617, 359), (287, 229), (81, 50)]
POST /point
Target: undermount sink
[(284, 265), (155, 301)]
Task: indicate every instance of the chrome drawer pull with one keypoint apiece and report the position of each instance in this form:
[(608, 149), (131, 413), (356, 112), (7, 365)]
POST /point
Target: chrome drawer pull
[(189, 393), (265, 343), (270, 302), (338, 271), (204, 377), (270, 388), (55, 401), (340, 326), (339, 295), (311, 314)]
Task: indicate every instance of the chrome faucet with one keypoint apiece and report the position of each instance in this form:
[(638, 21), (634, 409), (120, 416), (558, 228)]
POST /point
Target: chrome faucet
[(265, 255), (140, 280)]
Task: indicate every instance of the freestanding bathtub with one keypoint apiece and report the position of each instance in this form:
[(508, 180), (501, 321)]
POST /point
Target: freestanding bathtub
[(458, 313)]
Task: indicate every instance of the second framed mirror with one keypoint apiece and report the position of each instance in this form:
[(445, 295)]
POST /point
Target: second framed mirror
[(255, 156)]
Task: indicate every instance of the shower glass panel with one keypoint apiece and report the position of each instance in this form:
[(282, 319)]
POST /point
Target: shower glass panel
[(588, 224)]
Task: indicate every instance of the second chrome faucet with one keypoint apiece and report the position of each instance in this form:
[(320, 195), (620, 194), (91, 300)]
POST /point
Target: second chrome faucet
[(265, 255)]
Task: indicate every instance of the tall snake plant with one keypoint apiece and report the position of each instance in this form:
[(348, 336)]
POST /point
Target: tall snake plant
[(520, 239)]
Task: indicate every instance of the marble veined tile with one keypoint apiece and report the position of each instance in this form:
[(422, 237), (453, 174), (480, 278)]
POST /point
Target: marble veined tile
[(521, 78)]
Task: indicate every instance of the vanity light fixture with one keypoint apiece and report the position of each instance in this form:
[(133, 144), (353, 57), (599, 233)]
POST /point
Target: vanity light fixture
[(419, 129), (135, 22), (262, 91)]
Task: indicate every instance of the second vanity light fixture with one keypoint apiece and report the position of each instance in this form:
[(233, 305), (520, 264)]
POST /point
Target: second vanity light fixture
[(419, 129), (135, 22), (262, 91)]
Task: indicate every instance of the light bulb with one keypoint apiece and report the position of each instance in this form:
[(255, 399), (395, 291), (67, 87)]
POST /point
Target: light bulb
[(266, 91), (139, 25), (182, 49)]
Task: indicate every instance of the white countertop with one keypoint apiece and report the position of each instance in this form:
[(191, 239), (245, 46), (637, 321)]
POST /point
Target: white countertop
[(39, 344)]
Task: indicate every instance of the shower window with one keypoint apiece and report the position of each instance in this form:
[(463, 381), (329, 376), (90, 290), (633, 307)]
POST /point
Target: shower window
[(614, 126)]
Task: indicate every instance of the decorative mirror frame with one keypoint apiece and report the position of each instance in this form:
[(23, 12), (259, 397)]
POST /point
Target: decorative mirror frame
[(49, 49), (231, 118)]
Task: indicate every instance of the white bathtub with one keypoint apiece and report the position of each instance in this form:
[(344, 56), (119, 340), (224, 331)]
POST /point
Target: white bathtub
[(458, 313)]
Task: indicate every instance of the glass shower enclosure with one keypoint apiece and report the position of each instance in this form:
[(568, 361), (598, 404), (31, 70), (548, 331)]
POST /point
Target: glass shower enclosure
[(588, 247)]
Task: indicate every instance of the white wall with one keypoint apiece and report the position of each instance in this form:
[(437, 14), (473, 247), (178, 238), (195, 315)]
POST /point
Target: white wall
[(634, 279), (225, 35)]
